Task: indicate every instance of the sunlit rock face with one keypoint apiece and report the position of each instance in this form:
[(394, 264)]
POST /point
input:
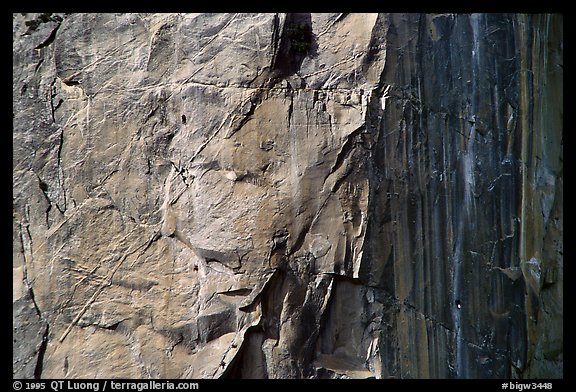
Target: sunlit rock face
[(287, 196)]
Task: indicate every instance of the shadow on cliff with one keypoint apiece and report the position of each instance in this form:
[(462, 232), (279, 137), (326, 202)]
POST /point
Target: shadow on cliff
[(297, 42)]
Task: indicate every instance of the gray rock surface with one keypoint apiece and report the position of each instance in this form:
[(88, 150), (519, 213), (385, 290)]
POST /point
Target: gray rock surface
[(287, 196)]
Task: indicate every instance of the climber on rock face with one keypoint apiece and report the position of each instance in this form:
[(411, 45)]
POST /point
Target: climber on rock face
[(458, 304)]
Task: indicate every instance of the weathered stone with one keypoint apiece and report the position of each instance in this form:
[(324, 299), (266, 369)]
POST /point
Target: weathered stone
[(287, 196)]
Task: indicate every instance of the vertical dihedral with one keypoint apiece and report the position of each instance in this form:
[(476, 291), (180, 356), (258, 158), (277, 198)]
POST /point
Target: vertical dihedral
[(541, 105), (453, 97)]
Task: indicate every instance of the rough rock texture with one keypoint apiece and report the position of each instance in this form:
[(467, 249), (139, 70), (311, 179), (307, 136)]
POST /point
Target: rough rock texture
[(287, 195)]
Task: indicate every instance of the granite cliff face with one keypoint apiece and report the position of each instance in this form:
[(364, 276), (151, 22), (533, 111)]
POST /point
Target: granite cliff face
[(287, 195)]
